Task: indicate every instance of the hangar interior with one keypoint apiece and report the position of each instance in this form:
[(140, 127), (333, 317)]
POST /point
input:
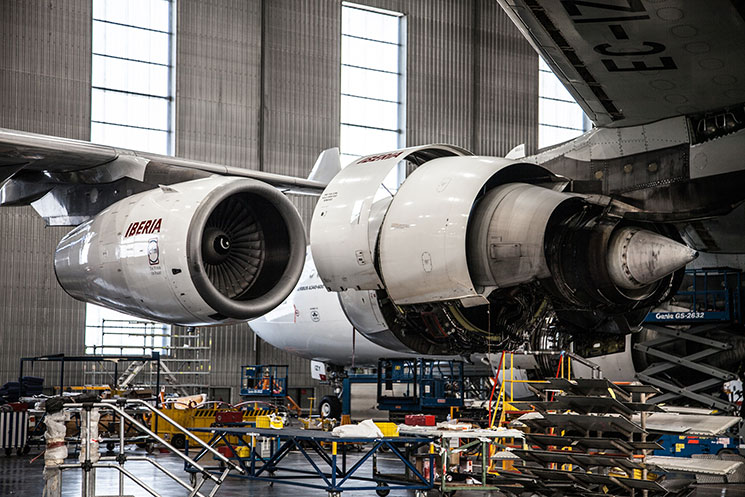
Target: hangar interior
[(257, 85), (266, 86)]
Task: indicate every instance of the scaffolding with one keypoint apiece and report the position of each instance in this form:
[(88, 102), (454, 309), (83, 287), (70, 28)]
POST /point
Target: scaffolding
[(703, 323), (184, 357)]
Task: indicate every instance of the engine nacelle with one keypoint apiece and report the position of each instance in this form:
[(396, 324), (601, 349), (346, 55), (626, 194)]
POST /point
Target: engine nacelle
[(200, 252), (473, 250)]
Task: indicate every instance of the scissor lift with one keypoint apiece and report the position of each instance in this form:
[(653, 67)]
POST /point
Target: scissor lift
[(264, 381), (709, 302), (420, 385)]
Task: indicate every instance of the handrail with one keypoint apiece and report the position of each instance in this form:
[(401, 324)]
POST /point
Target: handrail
[(114, 405), (186, 432), (142, 427), (120, 408)]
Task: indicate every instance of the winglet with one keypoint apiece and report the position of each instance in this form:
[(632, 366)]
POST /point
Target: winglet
[(516, 153), (327, 166)]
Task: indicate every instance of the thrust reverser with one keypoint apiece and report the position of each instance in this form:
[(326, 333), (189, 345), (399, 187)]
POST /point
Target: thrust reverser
[(473, 250)]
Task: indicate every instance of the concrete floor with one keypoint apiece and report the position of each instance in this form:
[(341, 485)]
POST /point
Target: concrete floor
[(18, 476)]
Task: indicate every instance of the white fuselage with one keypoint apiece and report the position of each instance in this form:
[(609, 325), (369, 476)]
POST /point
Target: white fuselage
[(311, 323)]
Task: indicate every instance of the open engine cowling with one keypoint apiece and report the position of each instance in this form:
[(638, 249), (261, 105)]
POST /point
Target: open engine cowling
[(200, 252), (475, 250)]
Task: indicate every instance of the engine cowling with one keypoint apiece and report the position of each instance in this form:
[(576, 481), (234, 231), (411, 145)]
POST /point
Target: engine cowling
[(201, 252), (473, 250)]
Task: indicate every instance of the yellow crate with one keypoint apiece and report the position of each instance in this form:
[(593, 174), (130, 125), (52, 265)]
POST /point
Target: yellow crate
[(388, 429), (262, 422)]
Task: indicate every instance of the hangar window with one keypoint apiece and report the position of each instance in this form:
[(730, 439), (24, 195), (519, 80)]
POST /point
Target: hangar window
[(132, 74), (131, 107), (559, 117), (373, 63)]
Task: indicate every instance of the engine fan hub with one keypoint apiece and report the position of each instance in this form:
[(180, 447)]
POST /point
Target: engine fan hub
[(216, 246)]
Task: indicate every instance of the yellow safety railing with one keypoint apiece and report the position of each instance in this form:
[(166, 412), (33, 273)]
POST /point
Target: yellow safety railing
[(564, 370)]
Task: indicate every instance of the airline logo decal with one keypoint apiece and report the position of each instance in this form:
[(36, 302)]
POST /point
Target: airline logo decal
[(143, 227), (373, 158), (153, 253)]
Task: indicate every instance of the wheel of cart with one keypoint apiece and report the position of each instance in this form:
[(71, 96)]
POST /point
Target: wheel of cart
[(149, 446), (179, 441), (20, 451), (382, 492)]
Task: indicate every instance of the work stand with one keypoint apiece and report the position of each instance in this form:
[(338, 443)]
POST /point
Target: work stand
[(587, 439), (327, 462)]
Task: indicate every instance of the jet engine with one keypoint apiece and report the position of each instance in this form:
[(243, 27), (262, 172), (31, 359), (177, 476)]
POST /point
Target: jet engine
[(475, 251), (201, 252)]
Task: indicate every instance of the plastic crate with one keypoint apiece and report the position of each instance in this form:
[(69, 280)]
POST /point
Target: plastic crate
[(388, 429), (263, 422)]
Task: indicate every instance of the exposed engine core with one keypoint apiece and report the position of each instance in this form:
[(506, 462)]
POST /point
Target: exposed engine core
[(199, 252), (474, 251)]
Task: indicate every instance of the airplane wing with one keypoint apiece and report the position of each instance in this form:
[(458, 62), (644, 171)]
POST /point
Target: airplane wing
[(631, 62), (67, 181)]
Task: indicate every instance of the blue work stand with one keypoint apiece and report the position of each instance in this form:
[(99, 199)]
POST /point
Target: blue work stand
[(327, 458)]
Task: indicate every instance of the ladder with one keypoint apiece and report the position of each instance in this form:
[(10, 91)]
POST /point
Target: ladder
[(136, 367), (129, 374)]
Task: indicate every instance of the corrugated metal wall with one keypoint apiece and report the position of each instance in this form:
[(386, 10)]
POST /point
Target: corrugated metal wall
[(45, 88), (506, 78), (218, 75), (257, 86), (301, 88)]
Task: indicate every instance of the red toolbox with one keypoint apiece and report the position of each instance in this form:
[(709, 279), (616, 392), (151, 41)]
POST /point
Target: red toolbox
[(228, 417), (420, 420), (226, 451)]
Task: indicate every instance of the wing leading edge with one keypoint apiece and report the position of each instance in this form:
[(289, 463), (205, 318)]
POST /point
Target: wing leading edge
[(68, 180), (631, 62)]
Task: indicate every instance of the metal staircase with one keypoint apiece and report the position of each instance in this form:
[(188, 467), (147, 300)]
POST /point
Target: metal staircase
[(129, 374), (136, 367), (126, 415)]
